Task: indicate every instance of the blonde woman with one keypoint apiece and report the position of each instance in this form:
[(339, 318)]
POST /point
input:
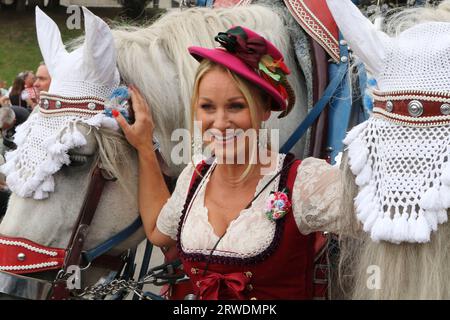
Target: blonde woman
[(243, 229)]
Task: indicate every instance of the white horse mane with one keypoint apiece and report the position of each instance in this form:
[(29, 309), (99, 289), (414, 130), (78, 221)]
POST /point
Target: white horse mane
[(400, 20)]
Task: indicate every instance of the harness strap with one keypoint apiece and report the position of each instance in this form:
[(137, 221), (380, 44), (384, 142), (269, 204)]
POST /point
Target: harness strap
[(318, 107), (80, 230), (104, 247)]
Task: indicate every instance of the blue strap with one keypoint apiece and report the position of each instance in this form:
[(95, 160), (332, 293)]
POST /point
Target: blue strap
[(205, 3), (145, 263), (340, 106), (314, 113), (101, 249)]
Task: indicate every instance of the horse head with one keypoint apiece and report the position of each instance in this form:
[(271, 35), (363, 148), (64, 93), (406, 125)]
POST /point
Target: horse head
[(64, 139)]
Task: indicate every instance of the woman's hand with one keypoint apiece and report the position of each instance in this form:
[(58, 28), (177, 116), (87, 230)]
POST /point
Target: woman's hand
[(140, 133)]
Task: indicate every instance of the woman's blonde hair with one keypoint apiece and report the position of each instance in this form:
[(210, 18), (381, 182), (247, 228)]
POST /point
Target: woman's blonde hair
[(257, 100)]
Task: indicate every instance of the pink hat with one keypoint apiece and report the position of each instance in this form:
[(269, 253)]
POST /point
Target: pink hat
[(254, 58)]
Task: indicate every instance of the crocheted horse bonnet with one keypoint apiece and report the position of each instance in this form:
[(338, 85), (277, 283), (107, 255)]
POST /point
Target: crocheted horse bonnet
[(82, 80), (400, 156)]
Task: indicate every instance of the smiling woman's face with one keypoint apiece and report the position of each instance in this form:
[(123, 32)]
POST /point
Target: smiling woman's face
[(224, 114)]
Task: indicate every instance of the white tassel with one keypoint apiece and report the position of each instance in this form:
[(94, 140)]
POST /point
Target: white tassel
[(400, 230), (431, 200), (422, 230), (48, 142), (444, 195), (11, 155), (67, 139), (110, 123), (62, 158), (382, 229), (40, 195), (20, 137), (78, 138), (373, 216), (95, 121), (365, 175), (23, 130), (442, 216), (49, 167), (8, 167), (57, 148), (364, 196), (412, 221), (26, 189), (357, 153), (103, 121), (364, 213), (432, 219), (445, 175), (13, 181), (48, 185), (355, 132), (31, 185)]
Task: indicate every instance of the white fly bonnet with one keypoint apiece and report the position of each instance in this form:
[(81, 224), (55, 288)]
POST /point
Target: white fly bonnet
[(400, 156), (82, 80)]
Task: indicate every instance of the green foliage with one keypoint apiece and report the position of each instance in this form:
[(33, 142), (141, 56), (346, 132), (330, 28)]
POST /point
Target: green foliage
[(134, 8), (19, 48)]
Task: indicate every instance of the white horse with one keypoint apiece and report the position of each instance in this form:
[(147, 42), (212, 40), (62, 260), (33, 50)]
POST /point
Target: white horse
[(155, 59)]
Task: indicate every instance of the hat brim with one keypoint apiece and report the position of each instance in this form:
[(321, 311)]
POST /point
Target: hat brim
[(236, 65)]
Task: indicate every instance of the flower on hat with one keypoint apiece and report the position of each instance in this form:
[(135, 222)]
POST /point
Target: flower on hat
[(236, 41), (274, 72), (254, 53), (277, 205)]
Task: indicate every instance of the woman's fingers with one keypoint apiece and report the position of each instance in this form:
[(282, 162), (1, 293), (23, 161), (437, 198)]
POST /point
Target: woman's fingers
[(139, 104), (122, 122)]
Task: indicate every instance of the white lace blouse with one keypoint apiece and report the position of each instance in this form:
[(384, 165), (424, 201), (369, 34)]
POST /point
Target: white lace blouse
[(315, 203)]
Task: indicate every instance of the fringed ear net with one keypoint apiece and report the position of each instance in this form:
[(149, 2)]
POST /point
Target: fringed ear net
[(368, 43), (401, 223), (99, 52), (49, 38)]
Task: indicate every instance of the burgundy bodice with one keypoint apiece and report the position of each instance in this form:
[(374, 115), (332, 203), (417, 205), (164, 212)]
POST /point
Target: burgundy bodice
[(282, 271)]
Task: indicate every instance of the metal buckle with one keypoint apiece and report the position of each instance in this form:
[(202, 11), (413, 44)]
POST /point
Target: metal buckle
[(24, 287)]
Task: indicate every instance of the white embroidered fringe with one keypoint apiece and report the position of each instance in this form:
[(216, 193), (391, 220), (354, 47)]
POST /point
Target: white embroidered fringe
[(42, 149), (403, 175)]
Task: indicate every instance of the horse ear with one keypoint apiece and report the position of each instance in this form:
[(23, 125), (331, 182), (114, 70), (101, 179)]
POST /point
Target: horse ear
[(99, 50), (368, 43), (49, 39)]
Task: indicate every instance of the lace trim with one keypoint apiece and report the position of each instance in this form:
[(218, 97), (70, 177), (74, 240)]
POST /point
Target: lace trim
[(231, 258), (263, 229)]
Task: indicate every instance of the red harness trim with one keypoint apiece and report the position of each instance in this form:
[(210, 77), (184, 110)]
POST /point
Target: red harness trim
[(316, 19), (19, 255), (51, 104)]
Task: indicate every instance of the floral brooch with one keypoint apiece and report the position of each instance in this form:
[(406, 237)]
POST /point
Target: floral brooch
[(277, 205)]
